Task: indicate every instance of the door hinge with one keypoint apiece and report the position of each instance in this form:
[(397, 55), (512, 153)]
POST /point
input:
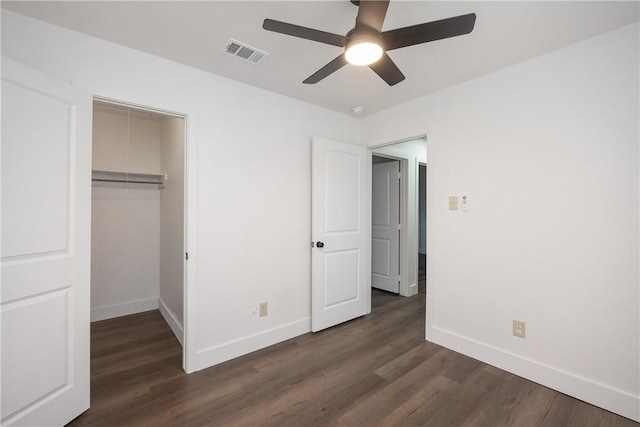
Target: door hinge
[(399, 226), (186, 255), (399, 175)]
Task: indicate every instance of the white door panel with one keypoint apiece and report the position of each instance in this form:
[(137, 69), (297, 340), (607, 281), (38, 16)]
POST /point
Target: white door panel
[(46, 178), (380, 259), (385, 240), (30, 326), (342, 188), (41, 187), (341, 223), (341, 277)]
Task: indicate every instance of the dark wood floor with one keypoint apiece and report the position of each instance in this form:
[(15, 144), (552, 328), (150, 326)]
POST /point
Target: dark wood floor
[(374, 371)]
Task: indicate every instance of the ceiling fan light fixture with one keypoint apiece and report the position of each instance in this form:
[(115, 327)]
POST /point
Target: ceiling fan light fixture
[(363, 53)]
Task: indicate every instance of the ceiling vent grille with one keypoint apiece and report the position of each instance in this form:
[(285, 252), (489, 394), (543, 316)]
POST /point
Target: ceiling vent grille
[(244, 51)]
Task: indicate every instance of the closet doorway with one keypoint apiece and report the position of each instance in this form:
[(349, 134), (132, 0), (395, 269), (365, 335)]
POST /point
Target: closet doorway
[(138, 214)]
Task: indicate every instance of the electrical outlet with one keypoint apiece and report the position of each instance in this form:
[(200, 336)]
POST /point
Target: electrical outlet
[(254, 311), (519, 329), (264, 309)]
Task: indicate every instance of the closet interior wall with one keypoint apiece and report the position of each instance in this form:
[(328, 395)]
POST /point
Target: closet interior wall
[(137, 240)]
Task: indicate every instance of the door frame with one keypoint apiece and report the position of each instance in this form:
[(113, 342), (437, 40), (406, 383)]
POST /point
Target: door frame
[(421, 164), (189, 348), (406, 247), (409, 136)]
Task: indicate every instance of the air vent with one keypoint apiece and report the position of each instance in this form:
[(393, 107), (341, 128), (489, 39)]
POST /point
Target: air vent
[(244, 51)]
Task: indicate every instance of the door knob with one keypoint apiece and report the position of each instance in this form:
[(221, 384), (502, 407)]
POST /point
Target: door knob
[(320, 245)]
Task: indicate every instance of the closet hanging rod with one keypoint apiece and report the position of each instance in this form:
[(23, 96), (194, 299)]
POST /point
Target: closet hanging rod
[(125, 181), (128, 177)]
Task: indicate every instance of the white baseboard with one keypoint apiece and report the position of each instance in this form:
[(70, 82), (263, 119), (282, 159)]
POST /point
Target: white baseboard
[(123, 309), (601, 395), (172, 321), (221, 353)]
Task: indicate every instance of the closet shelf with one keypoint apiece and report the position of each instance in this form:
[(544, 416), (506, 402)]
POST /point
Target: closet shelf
[(128, 177)]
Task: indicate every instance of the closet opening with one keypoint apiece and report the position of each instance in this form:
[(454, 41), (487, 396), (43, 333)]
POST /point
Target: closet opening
[(138, 225)]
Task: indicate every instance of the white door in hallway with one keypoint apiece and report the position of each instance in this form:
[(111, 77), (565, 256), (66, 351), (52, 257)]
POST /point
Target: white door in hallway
[(341, 224), (46, 212), (385, 221)]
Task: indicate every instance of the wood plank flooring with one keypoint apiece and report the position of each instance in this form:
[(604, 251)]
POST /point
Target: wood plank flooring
[(373, 371)]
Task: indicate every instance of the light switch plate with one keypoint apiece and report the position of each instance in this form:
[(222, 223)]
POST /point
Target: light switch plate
[(453, 203)]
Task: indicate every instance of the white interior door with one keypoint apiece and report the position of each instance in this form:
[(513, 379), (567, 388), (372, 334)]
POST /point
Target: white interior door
[(385, 230), (341, 224), (46, 211)]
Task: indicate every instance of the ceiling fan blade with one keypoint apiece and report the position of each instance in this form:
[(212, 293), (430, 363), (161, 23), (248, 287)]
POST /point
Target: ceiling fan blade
[(330, 68), (429, 31), (387, 70), (371, 14), (304, 32)]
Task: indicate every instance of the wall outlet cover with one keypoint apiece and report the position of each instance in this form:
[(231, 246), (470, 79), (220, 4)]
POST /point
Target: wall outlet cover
[(519, 329)]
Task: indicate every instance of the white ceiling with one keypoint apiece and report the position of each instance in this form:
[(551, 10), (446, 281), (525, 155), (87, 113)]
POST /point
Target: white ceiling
[(194, 33)]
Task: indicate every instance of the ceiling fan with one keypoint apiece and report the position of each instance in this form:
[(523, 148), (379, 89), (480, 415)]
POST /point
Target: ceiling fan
[(367, 44)]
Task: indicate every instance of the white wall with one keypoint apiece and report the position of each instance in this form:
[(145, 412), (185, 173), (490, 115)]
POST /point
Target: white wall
[(125, 220), (125, 142), (413, 152), (172, 252), (250, 182), (547, 151)]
